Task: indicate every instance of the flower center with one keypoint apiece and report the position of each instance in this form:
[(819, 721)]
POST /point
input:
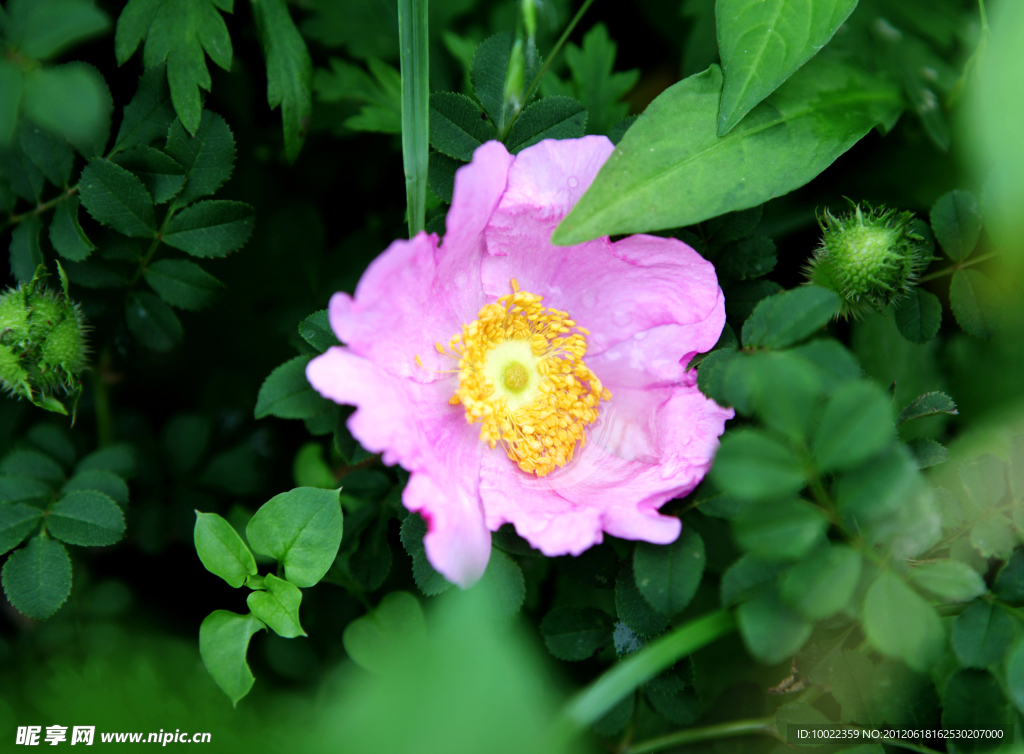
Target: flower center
[(522, 376)]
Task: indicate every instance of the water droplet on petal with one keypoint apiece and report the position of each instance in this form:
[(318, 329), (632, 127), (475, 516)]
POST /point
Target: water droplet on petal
[(573, 183)]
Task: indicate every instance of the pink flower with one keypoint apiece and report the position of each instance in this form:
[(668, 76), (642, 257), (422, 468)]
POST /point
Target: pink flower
[(568, 417)]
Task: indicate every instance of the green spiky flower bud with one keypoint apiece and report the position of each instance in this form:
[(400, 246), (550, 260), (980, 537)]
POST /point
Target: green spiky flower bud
[(870, 256), (42, 344)]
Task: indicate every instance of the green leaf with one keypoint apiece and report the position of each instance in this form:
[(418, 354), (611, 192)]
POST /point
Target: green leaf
[(115, 197), (749, 257), (301, 529), (223, 643), (54, 441), (287, 394), (182, 283), (316, 330), (12, 85), (289, 71), (162, 176), (184, 441), (71, 100), (208, 157), (44, 28), (929, 404), (783, 530), (854, 679), (118, 459), (970, 297), (86, 517), (956, 221), (489, 74), (797, 714), (1015, 676), (747, 578), (429, 581), (772, 630), (751, 465), (672, 159), (919, 315), (786, 319), (213, 228), (375, 641), (948, 580), (633, 608), (594, 82), (238, 471), (25, 253), (278, 606), (783, 387), (993, 537), (152, 321), (668, 575), (148, 116), (457, 125), (504, 580), (900, 624), (763, 43), (550, 118), (927, 452), (984, 480), (51, 154), (1016, 470), (371, 562), (576, 633), (856, 424), (380, 92), (37, 578), (17, 521), (982, 634), (876, 490), (823, 584), (441, 175), (66, 234), (973, 700), (744, 297), (1009, 585), (30, 463), (100, 480), (221, 550)]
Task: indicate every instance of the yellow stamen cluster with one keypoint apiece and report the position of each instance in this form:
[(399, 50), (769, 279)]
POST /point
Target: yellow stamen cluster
[(521, 373)]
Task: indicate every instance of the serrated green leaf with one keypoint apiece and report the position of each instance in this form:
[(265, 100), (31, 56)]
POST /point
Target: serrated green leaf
[(900, 624), (822, 584), (782, 530), (550, 118), (673, 160), (751, 465), (17, 521), (503, 578), (211, 228), (491, 75), (668, 575), (1015, 676), (457, 125), (25, 253), (287, 394), (51, 154), (994, 537), (316, 330), (380, 93), (1009, 585), (876, 490), (771, 629), (289, 71), (118, 459), (744, 297), (375, 640), (429, 581), (277, 605), (150, 112), (928, 404), (853, 679), (956, 221), (223, 643), (101, 480), (633, 608), (66, 235), (856, 424), (786, 319), (182, 283), (970, 297), (749, 257), (221, 550), (919, 315), (30, 463), (162, 176), (982, 634), (152, 321), (208, 157), (301, 529), (37, 578), (115, 197), (747, 578), (86, 517), (763, 43), (441, 175), (54, 441), (71, 100), (927, 452), (21, 174), (576, 633), (973, 700)]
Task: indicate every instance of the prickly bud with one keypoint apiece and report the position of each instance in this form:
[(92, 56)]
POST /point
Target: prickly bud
[(870, 256)]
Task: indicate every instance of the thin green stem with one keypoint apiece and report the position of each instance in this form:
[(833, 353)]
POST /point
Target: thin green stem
[(415, 67), (983, 14), (958, 266), (40, 208), (101, 401), (154, 245), (757, 725), (547, 63)]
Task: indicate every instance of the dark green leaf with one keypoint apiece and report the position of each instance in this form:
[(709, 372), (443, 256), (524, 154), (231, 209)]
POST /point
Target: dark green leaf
[(118, 459), (287, 394), (550, 118), (782, 530), (213, 228), (51, 154), (184, 442), (594, 82), (24, 178), (786, 319), (148, 116), (1009, 584), (797, 714), (973, 700), (1015, 676), (25, 253), (162, 176), (971, 298), (783, 388), (681, 708), (918, 316), (835, 363), (744, 297), (221, 550), (37, 578), (900, 624), (492, 75), (751, 465), (762, 44), (223, 642), (712, 372), (615, 719), (982, 634), (71, 100), (927, 452), (771, 629), (673, 160), (17, 521), (23, 489), (115, 197), (876, 490), (66, 234), (441, 175), (371, 562), (633, 608), (429, 581), (277, 605), (749, 257), (100, 480), (86, 517), (823, 584), (182, 283), (853, 679), (12, 84), (43, 28), (301, 529), (617, 131), (956, 221), (576, 633), (668, 575), (503, 579), (747, 578), (30, 463), (316, 330), (152, 321), (375, 641), (928, 404), (238, 471), (457, 125), (856, 424), (208, 157)]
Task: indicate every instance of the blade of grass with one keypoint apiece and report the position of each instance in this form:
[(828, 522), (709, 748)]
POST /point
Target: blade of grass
[(413, 39)]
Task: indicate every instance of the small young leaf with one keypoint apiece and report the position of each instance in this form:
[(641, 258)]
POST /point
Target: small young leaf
[(823, 584), (429, 581), (208, 157), (316, 330), (223, 643), (66, 234), (148, 116), (576, 633), (86, 517), (786, 319), (37, 578), (221, 550), (771, 629), (900, 624), (553, 117), (182, 283), (213, 228), (287, 394), (918, 316), (457, 125), (373, 641), (152, 321), (17, 521), (929, 404), (668, 575), (115, 197), (301, 529), (161, 175), (277, 605), (956, 221), (751, 465), (856, 424), (970, 298), (782, 530)]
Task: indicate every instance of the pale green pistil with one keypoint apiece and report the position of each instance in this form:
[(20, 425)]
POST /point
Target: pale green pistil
[(515, 377)]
